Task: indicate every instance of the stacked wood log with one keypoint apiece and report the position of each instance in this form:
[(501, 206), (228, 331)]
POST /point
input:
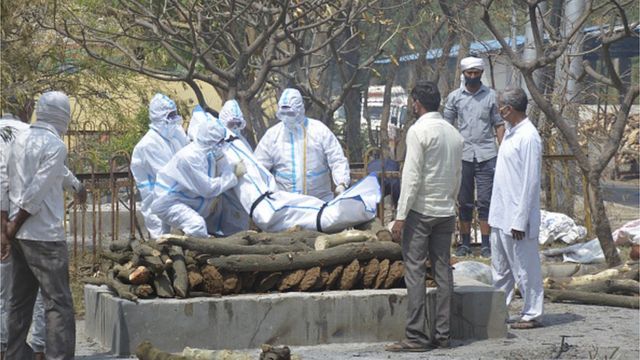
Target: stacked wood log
[(252, 262), (597, 129), (612, 287)]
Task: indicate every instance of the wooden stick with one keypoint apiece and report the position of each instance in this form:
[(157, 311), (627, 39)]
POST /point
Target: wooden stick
[(304, 260), (583, 297), (348, 236), (210, 246)]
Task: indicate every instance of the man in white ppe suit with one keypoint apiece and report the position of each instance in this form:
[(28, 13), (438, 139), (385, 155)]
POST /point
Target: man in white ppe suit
[(10, 127), (188, 185), (229, 216), (300, 152), (514, 215), (164, 138), (39, 255)]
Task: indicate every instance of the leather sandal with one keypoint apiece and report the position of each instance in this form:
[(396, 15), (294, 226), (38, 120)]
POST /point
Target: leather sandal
[(406, 346)]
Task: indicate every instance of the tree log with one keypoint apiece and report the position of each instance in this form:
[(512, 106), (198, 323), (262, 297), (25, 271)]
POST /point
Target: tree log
[(162, 284), (129, 274), (120, 258), (124, 291), (143, 249), (120, 246), (624, 286), (146, 351), (180, 278), (376, 227), (283, 238), (304, 260), (348, 236), (212, 247), (583, 297), (153, 263)]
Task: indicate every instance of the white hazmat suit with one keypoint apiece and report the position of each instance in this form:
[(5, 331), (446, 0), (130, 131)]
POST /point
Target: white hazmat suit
[(300, 152), (164, 138), (229, 215), (187, 186)]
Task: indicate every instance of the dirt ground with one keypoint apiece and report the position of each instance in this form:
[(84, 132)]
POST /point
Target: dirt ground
[(593, 332)]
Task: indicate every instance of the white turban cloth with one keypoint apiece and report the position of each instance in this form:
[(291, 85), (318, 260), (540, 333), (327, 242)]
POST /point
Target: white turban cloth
[(471, 63)]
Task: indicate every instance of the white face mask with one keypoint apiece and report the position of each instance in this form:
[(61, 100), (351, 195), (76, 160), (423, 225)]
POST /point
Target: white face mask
[(165, 129), (289, 118), (175, 119)]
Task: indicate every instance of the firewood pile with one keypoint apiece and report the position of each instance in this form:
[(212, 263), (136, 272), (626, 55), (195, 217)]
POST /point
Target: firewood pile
[(617, 286), (252, 262), (598, 129)]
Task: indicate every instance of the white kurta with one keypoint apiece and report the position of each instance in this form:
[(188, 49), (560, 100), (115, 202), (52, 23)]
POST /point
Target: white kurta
[(515, 205)]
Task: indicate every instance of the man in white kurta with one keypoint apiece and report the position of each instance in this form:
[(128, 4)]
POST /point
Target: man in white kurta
[(515, 210)]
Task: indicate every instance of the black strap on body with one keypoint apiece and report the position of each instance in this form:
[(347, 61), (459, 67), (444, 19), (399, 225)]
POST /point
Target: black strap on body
[(319, 217), (231, 138), (255, 203)]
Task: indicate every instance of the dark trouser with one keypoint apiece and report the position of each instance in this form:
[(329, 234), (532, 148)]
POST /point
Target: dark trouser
[(43, 264), (480, 175), (426, 236)]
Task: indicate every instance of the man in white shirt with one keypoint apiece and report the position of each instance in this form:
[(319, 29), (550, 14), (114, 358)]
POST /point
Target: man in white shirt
[(515, 210), (36, 173), (426, 217)]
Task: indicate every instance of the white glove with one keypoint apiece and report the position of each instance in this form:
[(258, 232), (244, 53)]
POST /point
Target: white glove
[(239, 169), (340, 189)]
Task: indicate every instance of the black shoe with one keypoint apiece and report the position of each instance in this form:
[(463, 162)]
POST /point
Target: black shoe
[(485, 252), (463, 251)]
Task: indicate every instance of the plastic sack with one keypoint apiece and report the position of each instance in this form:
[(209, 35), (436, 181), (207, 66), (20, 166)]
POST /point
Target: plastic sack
[(473, 270), (557, 226), (628, 234), (583, 253)]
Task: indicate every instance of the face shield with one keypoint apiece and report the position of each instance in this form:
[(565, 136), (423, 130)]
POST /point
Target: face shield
[(291, 109), (231, 116)]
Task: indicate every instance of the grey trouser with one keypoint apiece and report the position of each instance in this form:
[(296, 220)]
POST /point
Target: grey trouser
[(426, 236), (37, 331), (43, 264)]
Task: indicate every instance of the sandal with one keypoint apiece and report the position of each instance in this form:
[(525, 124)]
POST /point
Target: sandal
[(526, 324), (406, 346)]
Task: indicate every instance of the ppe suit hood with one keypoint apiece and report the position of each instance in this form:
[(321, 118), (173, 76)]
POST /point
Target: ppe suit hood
[(230, 114), (291, 108), (160, 107), (210, 134), (54, 109)]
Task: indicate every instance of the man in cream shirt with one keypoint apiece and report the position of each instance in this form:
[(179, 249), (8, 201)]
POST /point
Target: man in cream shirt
[(426, 217)]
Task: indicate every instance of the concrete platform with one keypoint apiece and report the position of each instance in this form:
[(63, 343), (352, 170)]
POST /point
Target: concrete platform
[(249, 320)]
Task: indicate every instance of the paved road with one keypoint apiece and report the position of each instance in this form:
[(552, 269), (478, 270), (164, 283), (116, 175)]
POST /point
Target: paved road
[(625, 194)]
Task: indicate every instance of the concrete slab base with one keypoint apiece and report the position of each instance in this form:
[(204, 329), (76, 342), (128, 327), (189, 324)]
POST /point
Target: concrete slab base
[(249, 320)]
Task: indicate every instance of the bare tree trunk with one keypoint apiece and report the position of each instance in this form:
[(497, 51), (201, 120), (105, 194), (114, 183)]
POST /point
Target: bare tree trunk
[(601, 221), (352, 105)]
